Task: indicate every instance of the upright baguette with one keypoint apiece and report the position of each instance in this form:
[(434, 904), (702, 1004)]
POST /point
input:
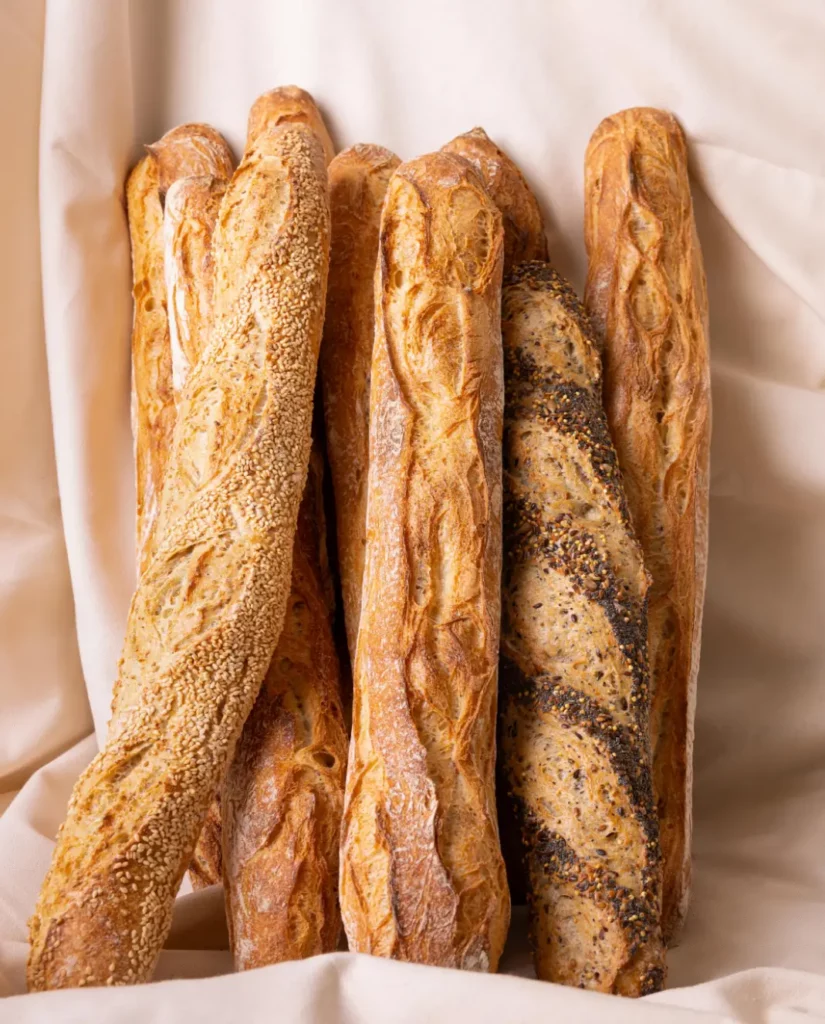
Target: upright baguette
[(422, 876), (358, 179), (284, 791), (646, 295), (524, 237), (575, 697), (208, 609), (283, 794), (187, 149)]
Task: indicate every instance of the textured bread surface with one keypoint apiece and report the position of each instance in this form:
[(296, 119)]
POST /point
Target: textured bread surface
[(646, 294), (207, 611), (288, 104), (524, 237), (283, 794), (422, 877), (188, 149), (575, 695), (189, 218), (358, 179)]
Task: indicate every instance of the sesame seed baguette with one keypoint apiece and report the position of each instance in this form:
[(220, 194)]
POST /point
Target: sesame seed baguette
[(283, 793), (189, 218), (575, 698), (647, 297), (422, 876), (187, 149), (208, 609), (358, 179), (524, 237)]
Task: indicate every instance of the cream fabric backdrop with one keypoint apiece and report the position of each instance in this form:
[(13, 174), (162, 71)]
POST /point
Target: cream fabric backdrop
[(82, 84)]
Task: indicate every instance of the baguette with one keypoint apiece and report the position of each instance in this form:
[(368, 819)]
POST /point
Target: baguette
[(208, 609), (188, 149), (358, 180), (284, 791), (422, 877), (524, 237), (575, 694), (646, 294)]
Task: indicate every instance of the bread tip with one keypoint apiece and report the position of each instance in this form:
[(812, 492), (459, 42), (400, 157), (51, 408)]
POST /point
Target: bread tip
[(288, 104)]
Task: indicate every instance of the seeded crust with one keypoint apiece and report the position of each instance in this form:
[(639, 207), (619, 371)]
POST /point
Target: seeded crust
[(358, 179), (524, 237), (284, 791), (422, 877), (208, 609), (646, 294), (575, 696), (188, 149), (289, 105)]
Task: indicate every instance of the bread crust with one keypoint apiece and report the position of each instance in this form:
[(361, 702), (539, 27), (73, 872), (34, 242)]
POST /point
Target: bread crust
[(189, 218), (358, 179), (187, 149), (284, 791), (288, 104), (422, 877), (208, 609), (575, 695), (646, 294), (524, 237)]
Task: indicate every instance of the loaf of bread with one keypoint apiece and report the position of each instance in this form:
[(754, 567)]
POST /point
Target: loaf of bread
[(284, 791), (646, 294), (188, 149), (524, 237), (575, 697), (189, 218), (358, 179), (422, 876), (209, 607)]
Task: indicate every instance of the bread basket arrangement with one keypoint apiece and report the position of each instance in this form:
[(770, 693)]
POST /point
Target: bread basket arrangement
[(363, 396)]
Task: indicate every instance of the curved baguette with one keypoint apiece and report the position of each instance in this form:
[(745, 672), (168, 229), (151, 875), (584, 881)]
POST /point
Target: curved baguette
[(284, 791), (575, 692), (422, 877), (207, 611), (288, 105), (646, 294), (188, 149), (189, 218), (524, 237), (358, 179)]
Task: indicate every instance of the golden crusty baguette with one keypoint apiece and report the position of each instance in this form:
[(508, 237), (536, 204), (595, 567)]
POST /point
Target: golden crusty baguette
[(646, 294), (289, 105), (188, 149), (189, 218), (358, 179), (283, 793), (422, 876), (575, 694), (208, 609), (524, 237)]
